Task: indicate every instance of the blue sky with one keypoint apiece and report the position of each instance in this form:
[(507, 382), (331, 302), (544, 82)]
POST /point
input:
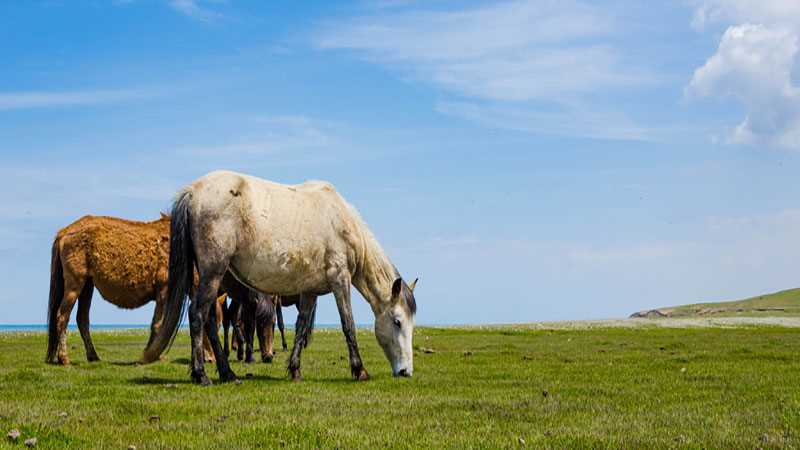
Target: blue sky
[(528, 160)]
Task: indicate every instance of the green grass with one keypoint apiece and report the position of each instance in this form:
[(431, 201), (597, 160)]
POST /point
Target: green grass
[(613, 388), (784, 304)]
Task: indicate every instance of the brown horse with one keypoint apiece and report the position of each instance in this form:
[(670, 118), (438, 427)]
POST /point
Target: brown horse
[(125, 260)]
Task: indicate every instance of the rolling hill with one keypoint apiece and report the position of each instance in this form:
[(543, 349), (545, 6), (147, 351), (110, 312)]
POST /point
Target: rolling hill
[(783, 303)]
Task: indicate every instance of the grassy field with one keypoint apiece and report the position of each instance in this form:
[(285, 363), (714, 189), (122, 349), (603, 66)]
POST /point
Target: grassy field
[(486, 388), (783, 304)]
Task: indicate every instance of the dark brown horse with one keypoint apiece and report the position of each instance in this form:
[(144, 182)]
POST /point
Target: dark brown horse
[(257, 316)]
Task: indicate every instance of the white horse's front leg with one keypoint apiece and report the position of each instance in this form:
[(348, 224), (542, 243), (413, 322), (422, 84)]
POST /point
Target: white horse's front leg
[(341, 291)]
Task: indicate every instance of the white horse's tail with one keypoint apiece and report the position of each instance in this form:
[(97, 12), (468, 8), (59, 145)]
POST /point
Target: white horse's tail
[(181, 277)]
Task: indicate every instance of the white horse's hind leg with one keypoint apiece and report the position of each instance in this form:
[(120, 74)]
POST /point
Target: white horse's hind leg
[(202, 315), (305, 322)]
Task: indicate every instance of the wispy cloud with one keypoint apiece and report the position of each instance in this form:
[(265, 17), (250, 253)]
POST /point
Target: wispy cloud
[(290, 139), (517, 52), (193, 9), (565, 121), (48, 99)]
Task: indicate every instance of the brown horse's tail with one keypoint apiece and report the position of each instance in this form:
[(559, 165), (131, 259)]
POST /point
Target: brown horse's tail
[(56, 297), (180, 278)]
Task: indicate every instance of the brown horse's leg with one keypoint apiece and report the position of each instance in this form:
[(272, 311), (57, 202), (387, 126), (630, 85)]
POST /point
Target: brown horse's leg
[(208, 352), (72, 291), (158, 313), (265, 327), (84, 304)]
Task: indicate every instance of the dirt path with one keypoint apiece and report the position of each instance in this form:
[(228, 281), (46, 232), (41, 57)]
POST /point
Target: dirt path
[(727, 322)]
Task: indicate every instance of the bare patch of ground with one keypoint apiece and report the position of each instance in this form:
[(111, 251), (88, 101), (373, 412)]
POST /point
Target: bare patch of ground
[(690, 322)]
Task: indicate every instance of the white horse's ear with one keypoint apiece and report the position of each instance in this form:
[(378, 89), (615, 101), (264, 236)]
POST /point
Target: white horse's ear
[(397, 286), (413, 284)]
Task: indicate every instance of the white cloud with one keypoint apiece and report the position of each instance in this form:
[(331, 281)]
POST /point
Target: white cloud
[(193, 9), (754, 64), (706, 12), (46, 99), (521, 52)]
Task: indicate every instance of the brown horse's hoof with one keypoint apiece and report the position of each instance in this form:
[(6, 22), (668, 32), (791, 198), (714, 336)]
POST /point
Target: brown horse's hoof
[(360, 374), (93, 358), (266, 359), (63, 360)]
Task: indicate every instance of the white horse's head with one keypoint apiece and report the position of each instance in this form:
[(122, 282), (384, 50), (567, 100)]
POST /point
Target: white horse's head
[(394, 328)]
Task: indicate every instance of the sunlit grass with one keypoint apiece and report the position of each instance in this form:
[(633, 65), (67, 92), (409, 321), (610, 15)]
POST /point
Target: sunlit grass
[(632, 388)]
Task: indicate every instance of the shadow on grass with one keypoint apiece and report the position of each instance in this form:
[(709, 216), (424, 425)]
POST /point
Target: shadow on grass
[(145, 381), (124, 363), (172, 382)]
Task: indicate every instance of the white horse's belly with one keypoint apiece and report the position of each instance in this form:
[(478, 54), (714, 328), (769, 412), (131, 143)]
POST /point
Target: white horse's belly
[(282, 270)]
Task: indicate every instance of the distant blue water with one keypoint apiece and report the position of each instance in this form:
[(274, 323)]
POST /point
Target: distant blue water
[(43, 327)]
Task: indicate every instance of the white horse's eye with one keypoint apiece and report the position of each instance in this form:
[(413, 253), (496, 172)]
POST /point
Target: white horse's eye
[(397, 323)]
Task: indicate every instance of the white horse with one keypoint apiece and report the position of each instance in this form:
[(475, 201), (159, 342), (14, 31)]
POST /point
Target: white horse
[(286, 240)]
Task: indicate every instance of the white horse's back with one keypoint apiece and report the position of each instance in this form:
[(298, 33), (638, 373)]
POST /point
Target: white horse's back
[(293, 231)]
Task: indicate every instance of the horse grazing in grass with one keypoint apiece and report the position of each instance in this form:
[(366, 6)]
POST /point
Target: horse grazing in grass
[(288, 240), (250, 313), (257, 315), (246, 313), (124, 259)]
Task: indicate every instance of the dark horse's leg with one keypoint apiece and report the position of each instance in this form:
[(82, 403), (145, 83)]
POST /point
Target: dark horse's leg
[(84, 304), (226, 323), (238, 334), (341, 291), (202, 313), (279, 313), (249, 320), (306, 305)]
